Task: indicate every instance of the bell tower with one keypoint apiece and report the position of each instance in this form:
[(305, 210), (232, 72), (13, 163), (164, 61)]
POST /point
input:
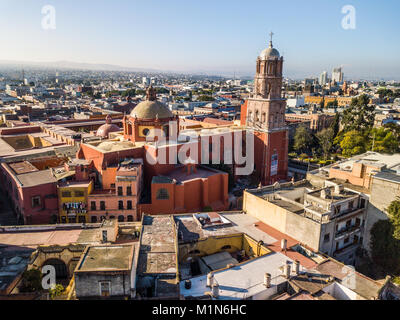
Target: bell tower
[(265, 114)]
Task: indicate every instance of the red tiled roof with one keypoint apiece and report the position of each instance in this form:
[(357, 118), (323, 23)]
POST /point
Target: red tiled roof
[(276, 246), (217, 121)]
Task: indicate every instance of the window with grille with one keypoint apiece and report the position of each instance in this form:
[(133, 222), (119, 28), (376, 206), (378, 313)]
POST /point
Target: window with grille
[(162, 194), (36, 202), (66, 194), (128, 191), (105, 288), (79, 194)]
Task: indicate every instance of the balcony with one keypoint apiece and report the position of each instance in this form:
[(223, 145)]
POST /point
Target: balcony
[(347, 230), (348, 211), (349, 247)]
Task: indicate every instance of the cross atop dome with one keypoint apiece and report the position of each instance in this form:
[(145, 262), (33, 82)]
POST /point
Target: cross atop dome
[(271, 34)]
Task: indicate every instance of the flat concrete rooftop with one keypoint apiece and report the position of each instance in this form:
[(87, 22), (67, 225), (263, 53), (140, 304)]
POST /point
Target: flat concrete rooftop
[(157, 246), (107, 258), (34, 236), (241, 281), (360, 284)]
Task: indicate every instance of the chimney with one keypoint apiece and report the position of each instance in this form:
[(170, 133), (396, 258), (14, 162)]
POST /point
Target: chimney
[(210, 280), (188, 284), (338, 189), (297, 267), (286, 270), (267, 280), (283, 244), (215, 290)]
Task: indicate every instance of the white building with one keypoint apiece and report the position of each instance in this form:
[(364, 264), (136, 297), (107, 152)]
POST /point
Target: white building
[(337, 75), (323, 78)]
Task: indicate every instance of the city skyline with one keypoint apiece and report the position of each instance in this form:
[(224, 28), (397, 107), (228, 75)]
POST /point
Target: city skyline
[(220, 38)]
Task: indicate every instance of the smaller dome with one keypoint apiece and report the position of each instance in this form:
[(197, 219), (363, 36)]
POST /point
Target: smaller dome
[(107, 128)]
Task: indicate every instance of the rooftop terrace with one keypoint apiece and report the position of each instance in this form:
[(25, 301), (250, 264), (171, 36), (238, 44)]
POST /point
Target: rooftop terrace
[(107, 258)]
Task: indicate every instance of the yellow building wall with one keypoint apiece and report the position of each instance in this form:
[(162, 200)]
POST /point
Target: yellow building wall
[(72, 189), (251, 247), (212, 245)]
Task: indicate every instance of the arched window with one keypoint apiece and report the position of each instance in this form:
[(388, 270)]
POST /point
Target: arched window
[(130, 218), (121, 218), (263, 117), (257, 116), (162, 194), (93, 219)]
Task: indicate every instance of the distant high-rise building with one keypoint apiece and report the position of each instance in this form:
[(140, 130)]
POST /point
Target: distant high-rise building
[(146, 81), (323, 78), (337, 75)]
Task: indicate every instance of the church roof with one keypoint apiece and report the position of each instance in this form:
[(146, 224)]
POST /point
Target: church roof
[(269, 52), (151, 110), (107, 128)]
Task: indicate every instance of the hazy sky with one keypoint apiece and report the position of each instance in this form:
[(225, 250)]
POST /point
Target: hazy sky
[(219, 36)]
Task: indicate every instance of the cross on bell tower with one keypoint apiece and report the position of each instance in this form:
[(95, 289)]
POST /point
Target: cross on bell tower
[(271, 34)]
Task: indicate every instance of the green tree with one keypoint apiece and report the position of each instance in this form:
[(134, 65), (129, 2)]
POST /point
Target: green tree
[(384, 92), (325, 140), (332, 103), (383, 140), (335, 125), (353, 143), (31, 281), (394, 216), (302, 139), (359, 115), (385, 249), (129, 93), (57, 291), (394, 128), (205, 98)]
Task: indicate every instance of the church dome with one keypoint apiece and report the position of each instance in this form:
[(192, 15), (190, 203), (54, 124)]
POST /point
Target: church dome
[(151, 108), (107, 128), (269, 53)]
